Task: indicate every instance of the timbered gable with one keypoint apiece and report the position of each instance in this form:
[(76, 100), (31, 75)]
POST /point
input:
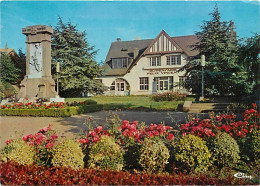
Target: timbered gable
[(163, 43)]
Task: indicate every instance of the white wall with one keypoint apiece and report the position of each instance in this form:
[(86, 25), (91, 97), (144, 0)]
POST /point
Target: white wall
[(142, 69)]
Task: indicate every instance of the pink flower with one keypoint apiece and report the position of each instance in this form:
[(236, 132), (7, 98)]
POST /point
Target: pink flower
[(98, 129), (54, 136), (44, 130), (7, 142), (92, 133), (27, 137), (83, 141), (170, 136), (49, 145)]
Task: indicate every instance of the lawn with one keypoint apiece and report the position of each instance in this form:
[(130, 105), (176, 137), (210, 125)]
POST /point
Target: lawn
[(132, 102)]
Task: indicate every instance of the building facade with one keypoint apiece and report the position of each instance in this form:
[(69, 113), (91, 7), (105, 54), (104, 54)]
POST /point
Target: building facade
[(143, 67)]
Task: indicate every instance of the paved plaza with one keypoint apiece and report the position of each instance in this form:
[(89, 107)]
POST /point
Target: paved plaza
[(71, 126)]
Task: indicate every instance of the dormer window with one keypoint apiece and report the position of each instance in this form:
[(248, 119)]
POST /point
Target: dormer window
[(121, 62)]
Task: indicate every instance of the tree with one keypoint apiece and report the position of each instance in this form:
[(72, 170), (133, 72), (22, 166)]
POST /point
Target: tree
[(9, 73), (77, 60), (20, 63), (223, 74), (249, 58)]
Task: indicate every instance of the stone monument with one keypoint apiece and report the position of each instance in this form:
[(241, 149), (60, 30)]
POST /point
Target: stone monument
[(38, 82)]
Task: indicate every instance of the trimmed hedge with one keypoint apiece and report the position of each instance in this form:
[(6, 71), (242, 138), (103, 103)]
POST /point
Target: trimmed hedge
[(14, 174), (52, 112)]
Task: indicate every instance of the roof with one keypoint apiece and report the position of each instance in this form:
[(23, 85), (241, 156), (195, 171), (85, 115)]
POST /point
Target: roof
[(120, 49), (8, 51)]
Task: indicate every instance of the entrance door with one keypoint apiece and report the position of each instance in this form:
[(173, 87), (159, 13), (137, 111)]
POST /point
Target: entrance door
[(164, 84)]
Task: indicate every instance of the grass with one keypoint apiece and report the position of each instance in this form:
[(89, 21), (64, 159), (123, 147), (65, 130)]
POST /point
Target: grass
[(132, 102)]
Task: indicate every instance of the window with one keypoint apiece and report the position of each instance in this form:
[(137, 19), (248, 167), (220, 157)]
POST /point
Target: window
[(174, 60), (155, 61), (120, 62), (181, 81), (112, 87), (144, 83)]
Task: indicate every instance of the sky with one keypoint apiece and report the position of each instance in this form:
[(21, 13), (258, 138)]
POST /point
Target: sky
[(105, 21)]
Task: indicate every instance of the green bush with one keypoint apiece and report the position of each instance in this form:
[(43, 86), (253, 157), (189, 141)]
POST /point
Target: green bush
[(132, 156), (6, 90), (154, 155), (19, 152), (224, 150), (250, 146), (52, 112), (106, 154), (192, 154), (68, 154)]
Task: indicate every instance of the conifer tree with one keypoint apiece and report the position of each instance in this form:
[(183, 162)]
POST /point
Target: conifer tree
[(223, 74), (9, 73), (77, 60)]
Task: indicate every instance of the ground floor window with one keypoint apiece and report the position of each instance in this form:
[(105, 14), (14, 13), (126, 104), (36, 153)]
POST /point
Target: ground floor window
[(164, 83), (119, 85), (144, 83)]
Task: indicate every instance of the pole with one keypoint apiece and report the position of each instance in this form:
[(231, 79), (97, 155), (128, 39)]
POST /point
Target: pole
[(202, 77), (57, 83), (58, 70), (202, 82)]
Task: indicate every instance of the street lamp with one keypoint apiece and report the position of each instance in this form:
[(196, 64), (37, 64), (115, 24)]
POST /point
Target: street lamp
[(202, 60), (58, 70)]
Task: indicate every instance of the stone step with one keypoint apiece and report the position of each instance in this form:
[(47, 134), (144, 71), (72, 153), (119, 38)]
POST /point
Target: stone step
[(214, 110), (216, 107)]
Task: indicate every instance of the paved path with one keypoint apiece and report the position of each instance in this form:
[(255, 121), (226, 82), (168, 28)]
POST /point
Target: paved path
[(71, 126)]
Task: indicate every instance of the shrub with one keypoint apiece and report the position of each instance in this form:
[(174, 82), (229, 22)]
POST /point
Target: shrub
[(68, 154), (154, 155), (19, 151), (192, 154), (250, 146), (43, 142), (224, 149), (50, 112), (169, 96), (106, 154), (14, 174)]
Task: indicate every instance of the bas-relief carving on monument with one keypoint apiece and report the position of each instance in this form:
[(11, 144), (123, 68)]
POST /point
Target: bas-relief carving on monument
[(35, 60), (38, 82)]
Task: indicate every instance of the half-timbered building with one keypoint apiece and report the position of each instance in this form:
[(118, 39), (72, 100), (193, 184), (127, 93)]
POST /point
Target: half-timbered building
[(147, 66)]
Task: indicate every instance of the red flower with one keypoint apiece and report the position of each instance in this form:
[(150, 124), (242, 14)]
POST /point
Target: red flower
[(170, 136), (254, 105)]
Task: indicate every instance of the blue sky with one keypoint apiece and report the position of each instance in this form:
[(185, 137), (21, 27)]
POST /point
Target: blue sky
[(104, 21)]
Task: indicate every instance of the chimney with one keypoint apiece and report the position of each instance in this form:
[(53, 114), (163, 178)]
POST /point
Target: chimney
[(136, 52), (137, 38), (118, 39)]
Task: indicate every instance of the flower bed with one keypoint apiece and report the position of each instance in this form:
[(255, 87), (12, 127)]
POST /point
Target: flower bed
[(50, 110), (212, 150)]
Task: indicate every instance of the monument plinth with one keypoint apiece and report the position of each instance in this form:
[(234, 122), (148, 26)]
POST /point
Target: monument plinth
[(38, 81)]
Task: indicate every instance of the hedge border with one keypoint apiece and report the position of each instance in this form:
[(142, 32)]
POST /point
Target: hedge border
[(52, 112)]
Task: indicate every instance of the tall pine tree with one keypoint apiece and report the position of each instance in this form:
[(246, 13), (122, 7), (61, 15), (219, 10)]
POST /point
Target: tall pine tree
[(77, 60), (223, 74)]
